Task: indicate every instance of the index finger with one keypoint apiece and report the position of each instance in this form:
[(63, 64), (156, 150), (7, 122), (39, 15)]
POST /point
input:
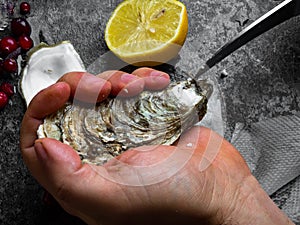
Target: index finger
[(44, 103), (128, 85), (86, 87)]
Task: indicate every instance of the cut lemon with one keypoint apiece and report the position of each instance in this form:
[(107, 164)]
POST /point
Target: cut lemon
[(147, 32)]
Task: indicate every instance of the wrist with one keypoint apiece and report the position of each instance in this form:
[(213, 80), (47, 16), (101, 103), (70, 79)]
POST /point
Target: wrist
[(254, 206)]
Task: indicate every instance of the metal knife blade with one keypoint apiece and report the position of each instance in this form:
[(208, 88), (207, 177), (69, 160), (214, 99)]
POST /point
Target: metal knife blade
[(284, 11)]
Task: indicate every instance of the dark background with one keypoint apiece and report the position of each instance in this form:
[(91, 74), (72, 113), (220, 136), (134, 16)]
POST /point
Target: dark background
[(263, 79)]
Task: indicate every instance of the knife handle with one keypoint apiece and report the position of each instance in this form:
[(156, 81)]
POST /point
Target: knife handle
[(281, 13)]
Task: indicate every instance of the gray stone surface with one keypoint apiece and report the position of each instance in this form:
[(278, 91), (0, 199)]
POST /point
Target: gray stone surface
[(262, 80)]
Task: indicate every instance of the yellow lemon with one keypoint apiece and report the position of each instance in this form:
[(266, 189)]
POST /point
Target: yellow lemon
[(147, 32)]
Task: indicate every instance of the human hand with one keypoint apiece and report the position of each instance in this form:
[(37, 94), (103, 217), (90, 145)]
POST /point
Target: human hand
[(213, 185)]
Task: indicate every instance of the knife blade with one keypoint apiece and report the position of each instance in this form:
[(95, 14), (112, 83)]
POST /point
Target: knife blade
[(284, 11)]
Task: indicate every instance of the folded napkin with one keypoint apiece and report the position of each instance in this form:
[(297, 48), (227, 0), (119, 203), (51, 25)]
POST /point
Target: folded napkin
[(271, 149)]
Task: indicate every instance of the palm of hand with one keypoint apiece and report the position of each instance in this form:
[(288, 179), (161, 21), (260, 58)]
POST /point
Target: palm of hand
[(193, 193)]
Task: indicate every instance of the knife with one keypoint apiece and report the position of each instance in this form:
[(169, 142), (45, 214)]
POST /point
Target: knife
[(284, 11)]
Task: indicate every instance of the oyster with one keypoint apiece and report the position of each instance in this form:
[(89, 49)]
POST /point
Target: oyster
[(46, 64), (104, 131)]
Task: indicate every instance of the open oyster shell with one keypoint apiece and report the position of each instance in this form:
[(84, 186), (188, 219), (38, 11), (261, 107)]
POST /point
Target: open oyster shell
[(45, 65), (104, 131)]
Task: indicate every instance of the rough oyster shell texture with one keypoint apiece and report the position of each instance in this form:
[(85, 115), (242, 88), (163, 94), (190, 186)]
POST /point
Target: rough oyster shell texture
[(104, 131)]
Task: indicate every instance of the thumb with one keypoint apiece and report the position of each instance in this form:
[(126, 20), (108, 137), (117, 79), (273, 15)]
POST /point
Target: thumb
[(56, 157), (57, 161), (77, 187)]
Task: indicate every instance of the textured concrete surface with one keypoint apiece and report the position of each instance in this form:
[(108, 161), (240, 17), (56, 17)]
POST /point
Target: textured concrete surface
[(263, 79)]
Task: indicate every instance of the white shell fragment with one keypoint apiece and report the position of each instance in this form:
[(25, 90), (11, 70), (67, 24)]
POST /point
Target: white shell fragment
[(104, 131), (46, 64)]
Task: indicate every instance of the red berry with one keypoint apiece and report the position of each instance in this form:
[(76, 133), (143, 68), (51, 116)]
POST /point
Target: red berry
[(3, 100), (20, 26), (25, 42), (8, 45), (24, 8), (10, 65), (7, 88)]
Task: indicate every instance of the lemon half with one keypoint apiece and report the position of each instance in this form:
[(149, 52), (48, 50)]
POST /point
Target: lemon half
[(147, 32)]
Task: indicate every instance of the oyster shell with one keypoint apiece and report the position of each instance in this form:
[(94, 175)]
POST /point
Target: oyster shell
[(45, 65), (104, 131)]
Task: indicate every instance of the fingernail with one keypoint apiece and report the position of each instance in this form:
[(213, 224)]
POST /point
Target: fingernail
[(127, 78), (157, 76), (40, 151)]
